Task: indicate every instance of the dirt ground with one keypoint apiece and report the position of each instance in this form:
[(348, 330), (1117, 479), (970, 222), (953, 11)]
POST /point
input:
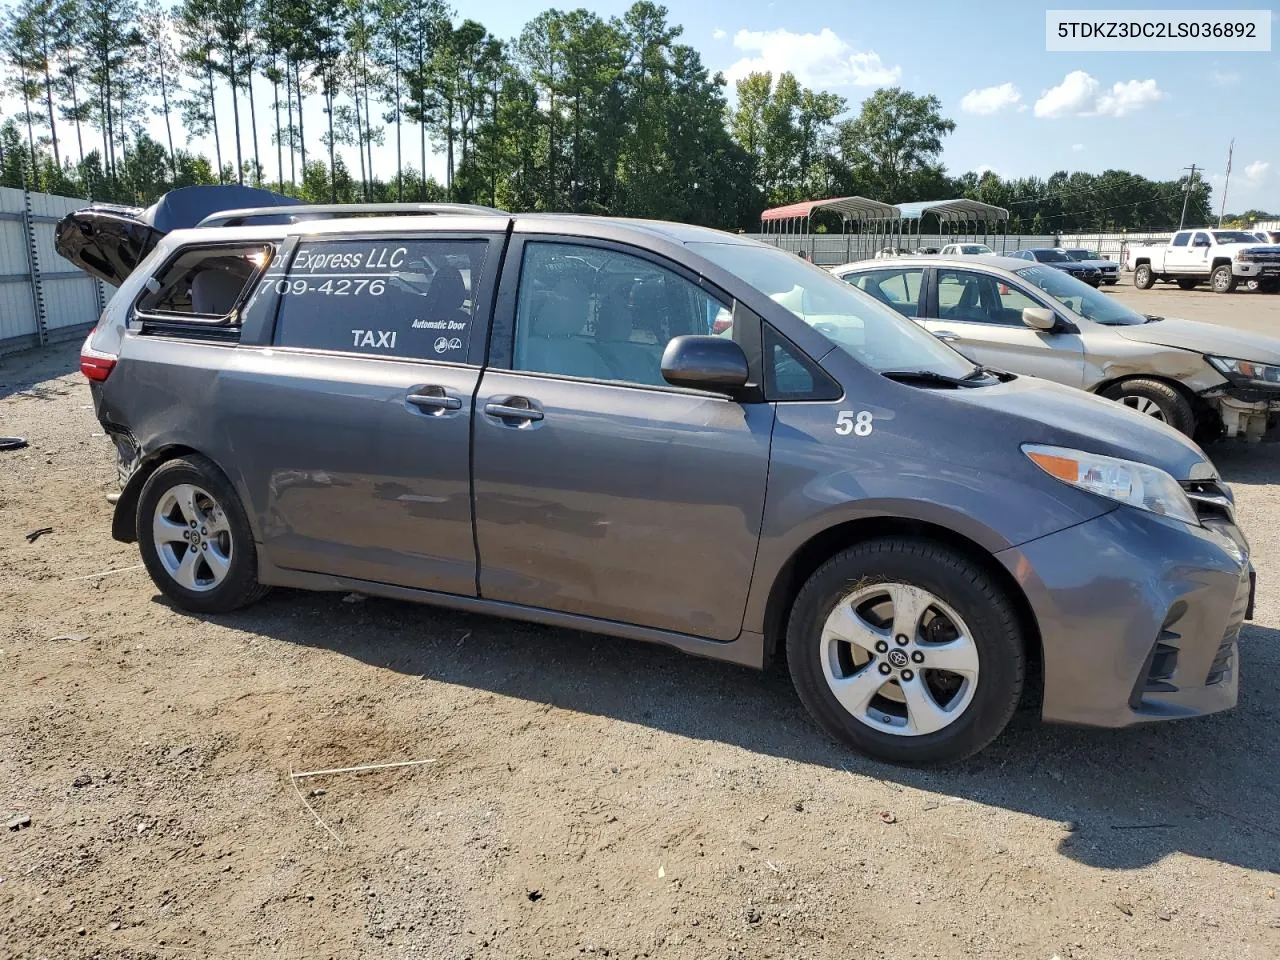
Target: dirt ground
[(589, 796)]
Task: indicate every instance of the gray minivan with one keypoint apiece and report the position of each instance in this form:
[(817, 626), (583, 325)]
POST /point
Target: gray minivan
[(672, 434)]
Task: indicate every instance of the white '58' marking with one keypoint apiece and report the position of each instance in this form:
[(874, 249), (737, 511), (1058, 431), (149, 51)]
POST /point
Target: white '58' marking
[(861, 426)]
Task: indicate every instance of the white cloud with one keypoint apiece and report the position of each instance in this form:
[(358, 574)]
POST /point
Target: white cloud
[(990, 99), (1081, 95), (983, 169), (820, 60), (718, 34), (1077, 148), (1220, 78), (1257, 171)]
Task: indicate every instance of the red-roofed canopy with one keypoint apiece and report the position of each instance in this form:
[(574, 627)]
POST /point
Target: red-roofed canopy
[(849, 208)]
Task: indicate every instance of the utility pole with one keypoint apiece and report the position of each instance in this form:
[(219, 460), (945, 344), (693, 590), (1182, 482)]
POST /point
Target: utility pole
[(1226, 182), (1186, 195)]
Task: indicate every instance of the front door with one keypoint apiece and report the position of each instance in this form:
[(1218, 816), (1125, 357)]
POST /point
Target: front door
[(599, 489), (353, 428), (981, 316)]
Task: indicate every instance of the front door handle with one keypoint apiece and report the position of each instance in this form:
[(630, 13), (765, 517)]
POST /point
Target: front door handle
[(514, 408), (946, 335), (433, 400)]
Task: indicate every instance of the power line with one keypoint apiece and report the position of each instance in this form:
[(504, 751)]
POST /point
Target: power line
[(1122, 182), (1118, 206)]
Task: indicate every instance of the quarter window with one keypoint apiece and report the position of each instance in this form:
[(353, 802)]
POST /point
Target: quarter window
[(204, 283), (410, 299), (596, 313)]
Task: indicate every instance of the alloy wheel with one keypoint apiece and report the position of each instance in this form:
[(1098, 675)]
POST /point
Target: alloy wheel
[(192, 537), (1146, 406), (899, 659)]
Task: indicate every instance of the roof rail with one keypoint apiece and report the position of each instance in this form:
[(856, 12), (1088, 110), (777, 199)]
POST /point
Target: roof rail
[(318, 211)]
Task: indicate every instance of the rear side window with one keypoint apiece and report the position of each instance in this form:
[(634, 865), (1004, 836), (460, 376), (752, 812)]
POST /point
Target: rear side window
[(897, 288), (409, 299), (204, 283), (1180, 239)]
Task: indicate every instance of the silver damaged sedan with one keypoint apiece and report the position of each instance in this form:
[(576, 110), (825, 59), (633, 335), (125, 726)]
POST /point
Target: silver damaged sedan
[(1205, 380)]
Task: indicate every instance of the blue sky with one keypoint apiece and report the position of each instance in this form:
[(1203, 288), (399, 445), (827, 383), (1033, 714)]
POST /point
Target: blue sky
[(1019, 110)]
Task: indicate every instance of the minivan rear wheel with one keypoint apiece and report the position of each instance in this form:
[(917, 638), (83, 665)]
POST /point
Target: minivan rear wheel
[(195, 539), (907, 650)]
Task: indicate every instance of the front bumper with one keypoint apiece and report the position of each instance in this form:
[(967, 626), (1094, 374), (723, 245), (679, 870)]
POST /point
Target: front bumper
[(1252, 269), (1139, 617)]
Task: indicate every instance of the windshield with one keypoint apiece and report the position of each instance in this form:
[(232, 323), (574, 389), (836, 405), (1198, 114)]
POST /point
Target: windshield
[(1050, 256), (853, 321), (1234, 236), (1083, 255), (975, 248), (1080, 297)]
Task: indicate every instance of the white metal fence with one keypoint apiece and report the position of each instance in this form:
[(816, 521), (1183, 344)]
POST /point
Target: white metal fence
[(43, 298), (831, 249)]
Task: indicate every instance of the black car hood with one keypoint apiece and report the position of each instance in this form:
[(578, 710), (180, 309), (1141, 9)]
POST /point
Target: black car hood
[(108, 241)]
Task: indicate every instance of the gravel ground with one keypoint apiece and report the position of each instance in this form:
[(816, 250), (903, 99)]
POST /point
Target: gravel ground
[(589, 796)]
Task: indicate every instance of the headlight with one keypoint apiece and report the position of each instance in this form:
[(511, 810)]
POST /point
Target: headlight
[(1136, 484), (1246, 370), (1244, 256)]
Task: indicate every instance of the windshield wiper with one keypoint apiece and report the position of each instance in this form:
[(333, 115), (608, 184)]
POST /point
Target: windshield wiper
[(932, 376), (1152, 318)]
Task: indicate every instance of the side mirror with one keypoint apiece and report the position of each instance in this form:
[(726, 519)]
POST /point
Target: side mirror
[(705, 363), (1038, 318)]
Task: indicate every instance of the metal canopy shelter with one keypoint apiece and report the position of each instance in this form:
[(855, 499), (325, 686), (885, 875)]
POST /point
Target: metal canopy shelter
[(959, 219), (791, 226)]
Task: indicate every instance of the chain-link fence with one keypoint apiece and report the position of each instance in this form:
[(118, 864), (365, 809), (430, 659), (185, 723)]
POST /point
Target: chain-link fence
[(43, 298)]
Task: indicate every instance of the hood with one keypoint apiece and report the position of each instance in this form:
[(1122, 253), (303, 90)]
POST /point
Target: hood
[(1066, 417), (1205, 338), (108, 241), (1100, 264)]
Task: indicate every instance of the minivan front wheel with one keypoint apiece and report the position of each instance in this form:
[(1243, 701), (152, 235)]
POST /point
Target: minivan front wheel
[(195, 538), (906, 650)]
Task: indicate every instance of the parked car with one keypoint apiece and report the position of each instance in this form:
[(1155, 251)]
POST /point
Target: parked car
[(526, 416), (1058, 260), (1109, 269), (966, 250), (1200, 378), (1224, 258)]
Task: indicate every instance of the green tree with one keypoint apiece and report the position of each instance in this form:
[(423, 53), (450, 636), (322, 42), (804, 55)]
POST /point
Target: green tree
[(893, 142), (158, 30), (112, 46), (195, 24)]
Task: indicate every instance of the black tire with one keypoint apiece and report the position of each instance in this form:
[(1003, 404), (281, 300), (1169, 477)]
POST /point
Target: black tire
[(959, 583), (1188, 284), (240, 586), (1222, 280), (1143, 278), (1175, 409), (1270, 286)]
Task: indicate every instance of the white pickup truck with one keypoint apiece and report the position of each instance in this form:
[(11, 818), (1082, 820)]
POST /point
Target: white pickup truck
[(1223, 258)]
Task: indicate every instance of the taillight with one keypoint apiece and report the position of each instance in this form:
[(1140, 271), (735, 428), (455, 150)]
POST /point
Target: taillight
[(95, 365)]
